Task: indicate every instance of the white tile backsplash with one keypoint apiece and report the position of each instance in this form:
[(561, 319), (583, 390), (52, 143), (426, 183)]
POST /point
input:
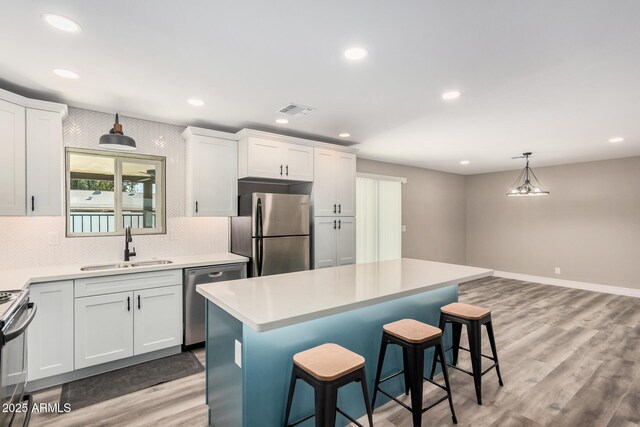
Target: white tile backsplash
[(29, 241)]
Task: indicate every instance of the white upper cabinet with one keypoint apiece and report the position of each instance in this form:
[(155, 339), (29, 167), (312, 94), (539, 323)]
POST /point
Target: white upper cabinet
[(31, 178), (272, 159), (12, 161), (44, 163), (212, 186), (334, 184)]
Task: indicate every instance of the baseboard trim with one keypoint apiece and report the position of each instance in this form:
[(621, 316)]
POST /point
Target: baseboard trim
[(607, 289)]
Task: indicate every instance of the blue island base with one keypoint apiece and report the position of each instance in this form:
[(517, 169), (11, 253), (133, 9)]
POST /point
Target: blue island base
[(255, 394)]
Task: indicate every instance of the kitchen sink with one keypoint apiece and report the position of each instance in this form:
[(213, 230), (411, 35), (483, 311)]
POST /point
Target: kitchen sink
[(126, 265), (152, 262), (105, 267)]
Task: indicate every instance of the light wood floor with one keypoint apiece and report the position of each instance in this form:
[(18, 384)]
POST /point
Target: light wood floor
[(568, 358)]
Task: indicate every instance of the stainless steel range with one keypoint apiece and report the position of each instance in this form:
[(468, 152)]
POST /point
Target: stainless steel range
[(16, 313)]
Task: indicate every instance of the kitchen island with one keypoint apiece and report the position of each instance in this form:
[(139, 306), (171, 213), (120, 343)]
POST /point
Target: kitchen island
[(256, 325)]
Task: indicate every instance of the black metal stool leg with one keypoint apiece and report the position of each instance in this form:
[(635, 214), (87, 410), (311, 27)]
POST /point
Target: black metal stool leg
[(292, 387), (365, 394), (326, 399), (442, 325), (376, 384), (475, 347), (407, 380), (415, 357), (445, 374), (457, 331), (492, 341)]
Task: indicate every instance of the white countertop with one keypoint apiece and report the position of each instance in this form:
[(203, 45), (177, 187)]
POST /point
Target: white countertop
[(16, 279), (271, 302)]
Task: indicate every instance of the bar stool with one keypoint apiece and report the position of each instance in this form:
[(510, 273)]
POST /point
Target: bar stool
[(473, 317), (414, 337), (326, 368)]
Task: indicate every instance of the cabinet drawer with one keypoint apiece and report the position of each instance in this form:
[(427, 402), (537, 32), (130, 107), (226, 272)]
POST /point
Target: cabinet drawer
[(126, 282)]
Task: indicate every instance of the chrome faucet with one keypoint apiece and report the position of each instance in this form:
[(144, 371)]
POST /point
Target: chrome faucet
[(127, 240)]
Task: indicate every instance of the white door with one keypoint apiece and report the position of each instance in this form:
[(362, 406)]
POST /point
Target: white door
[(44, 163), (103, 328), (214, 177), (12, 160), (51, 331), (158, 318), (299, 162), (266, 158), (346, 243), (346, 183), (324, 242), (324, 184)]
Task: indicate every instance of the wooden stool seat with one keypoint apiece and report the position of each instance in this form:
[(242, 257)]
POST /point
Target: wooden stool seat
[(412, 331), (328, 362), (465, 311)]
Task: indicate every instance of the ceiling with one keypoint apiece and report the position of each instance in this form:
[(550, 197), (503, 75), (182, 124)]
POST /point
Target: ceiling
[(559, 78)]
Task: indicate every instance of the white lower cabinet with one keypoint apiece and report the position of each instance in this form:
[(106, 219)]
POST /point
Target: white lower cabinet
[(157, 319), (126, 315), (50, 334), (104, 328), (334, 241)]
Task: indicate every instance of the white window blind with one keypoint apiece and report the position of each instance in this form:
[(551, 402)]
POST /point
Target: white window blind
[(379, 224)]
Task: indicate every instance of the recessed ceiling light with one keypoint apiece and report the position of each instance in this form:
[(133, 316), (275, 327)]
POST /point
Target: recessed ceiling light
[(344, 135), (282, 121), (67, 74), (62, 23), (464, 162), (454, 94), (355, 53), (196, 102), (616, 140)]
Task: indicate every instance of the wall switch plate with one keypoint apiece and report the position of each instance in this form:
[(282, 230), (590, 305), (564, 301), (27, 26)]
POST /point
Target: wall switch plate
[(404, 228), (557, 270), (53, 238), (238, 353)]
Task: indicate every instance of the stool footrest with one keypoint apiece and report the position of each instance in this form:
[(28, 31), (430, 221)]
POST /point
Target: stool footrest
[(471, 373), (347, 416), (301, 420), (435, 383), (395, 399), (466, 349), (391, 376)]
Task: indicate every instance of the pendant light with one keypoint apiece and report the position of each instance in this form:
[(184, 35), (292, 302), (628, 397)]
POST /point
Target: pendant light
[(116, 140), (527, 183)]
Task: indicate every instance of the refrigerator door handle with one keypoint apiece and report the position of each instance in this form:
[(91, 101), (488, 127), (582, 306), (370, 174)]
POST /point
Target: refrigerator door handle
[(259, 218), (259, 257)]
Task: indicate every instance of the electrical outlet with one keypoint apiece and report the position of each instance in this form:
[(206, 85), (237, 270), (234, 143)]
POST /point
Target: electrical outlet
[(557, 270), (173, 233), (53, 238), (404, 228), (238, 353)]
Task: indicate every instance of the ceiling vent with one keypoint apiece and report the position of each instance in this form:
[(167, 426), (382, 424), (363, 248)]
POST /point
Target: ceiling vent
[(295, 110)]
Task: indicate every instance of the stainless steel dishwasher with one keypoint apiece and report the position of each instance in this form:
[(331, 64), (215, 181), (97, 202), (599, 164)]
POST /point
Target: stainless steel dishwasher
[(194, 303)]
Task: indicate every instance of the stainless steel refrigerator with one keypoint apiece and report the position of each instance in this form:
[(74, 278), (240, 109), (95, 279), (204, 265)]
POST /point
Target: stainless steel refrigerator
[(272, 230)]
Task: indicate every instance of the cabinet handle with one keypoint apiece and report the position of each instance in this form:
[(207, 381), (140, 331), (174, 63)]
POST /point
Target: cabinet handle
[(335, 209), (339, 208), (128, 303), (196, 207), (280, 170), (138, 302), (339, 224), (334, 224), (33, 203)]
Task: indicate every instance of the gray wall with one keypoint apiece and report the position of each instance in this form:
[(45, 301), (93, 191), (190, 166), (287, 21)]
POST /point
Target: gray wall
[(589, 226), (433, 209)]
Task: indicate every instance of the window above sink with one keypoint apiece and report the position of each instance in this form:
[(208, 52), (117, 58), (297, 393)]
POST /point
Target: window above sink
[(107, 191)]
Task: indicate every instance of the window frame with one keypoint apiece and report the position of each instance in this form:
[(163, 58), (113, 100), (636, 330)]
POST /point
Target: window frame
[(119, 158)]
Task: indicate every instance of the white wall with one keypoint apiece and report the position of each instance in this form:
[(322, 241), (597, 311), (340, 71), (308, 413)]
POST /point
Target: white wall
[(29, 241)]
